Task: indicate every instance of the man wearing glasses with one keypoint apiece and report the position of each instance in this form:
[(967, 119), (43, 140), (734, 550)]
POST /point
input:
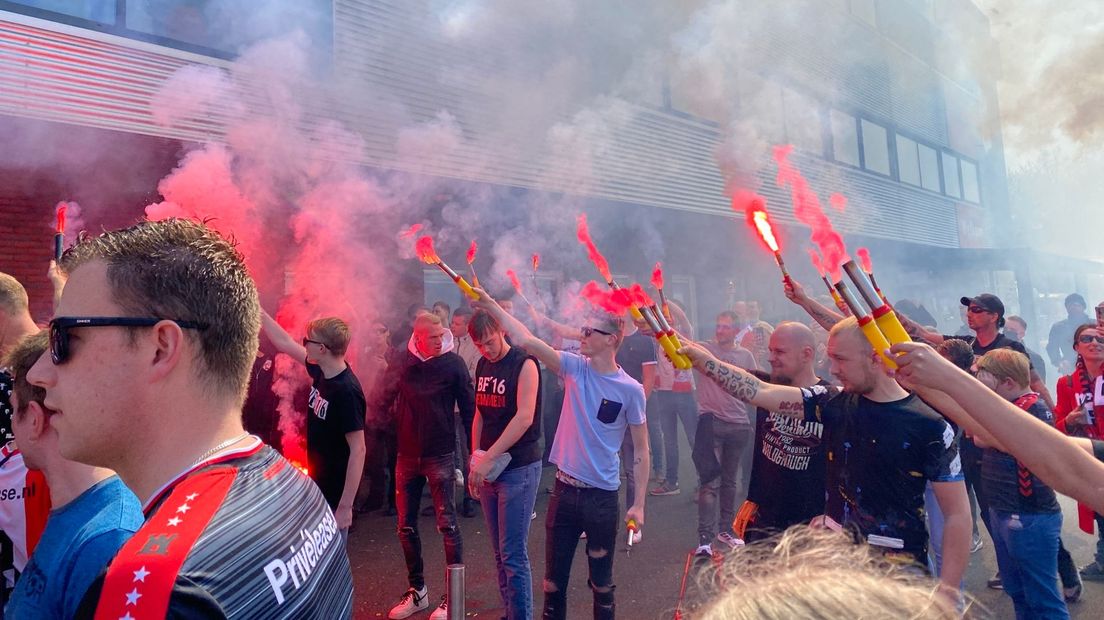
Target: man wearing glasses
[(151, 350), (985, 316), (600, 401), (335, 410)]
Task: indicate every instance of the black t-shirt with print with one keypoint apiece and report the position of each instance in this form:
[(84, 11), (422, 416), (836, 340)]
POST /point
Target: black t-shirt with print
[(1000, 342), (880, 457), (496, 385), (1008, 485), (336, 406), (6, 411), (787, 472)]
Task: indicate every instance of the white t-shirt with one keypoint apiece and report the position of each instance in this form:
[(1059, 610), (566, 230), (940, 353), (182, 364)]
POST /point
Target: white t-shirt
[(597, 409)]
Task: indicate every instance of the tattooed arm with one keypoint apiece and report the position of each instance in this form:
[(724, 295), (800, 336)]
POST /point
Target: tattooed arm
[(821, 314), (918, 332), (744, 385)]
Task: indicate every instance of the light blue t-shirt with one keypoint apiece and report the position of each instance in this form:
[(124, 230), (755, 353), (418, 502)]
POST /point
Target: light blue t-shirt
[(596, 410), (80, 539)]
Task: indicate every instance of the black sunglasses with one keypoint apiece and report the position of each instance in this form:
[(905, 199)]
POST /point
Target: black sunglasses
[(308, 340), (59, 329), (978, 310), (1083, 339), (587, 331)]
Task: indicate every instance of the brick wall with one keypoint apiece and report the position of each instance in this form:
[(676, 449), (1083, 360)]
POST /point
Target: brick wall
[(26, 238)]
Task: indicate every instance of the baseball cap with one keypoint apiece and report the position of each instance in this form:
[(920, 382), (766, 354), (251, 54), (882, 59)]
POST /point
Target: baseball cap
[(989, 301), (1076, 298)]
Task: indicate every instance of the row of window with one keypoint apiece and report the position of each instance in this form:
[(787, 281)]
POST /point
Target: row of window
[(213, 27)]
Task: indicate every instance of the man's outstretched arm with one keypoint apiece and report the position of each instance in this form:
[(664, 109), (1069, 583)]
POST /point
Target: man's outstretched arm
[(744, 385)]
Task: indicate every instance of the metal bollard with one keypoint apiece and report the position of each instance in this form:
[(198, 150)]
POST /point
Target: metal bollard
[(454, 580)]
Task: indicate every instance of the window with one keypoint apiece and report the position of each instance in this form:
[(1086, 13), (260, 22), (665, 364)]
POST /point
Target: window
[(951, 186), (908, 164), (875, 143), (929, 167), (802, 116), (970, 189), (101, 12), (845, 138)]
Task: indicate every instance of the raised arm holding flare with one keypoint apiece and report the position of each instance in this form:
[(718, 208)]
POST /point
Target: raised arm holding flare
[(824, 316), (1062, 462)]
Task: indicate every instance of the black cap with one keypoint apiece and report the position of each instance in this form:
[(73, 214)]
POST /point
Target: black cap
[(989, 301), (1076, 298)]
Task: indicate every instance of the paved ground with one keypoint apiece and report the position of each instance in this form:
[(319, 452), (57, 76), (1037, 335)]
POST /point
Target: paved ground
[(647, 581)]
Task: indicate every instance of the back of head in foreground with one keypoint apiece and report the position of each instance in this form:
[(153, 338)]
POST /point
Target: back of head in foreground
[(807, 573)]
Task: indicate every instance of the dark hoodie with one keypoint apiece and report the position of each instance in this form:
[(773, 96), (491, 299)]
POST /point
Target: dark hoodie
[(426, 394)]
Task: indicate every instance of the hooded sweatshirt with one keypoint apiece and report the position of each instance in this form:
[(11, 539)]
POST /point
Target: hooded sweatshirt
[(426, 393)]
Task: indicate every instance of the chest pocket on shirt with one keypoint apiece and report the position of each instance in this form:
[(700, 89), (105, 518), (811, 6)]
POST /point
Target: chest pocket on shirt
[(608, 411)]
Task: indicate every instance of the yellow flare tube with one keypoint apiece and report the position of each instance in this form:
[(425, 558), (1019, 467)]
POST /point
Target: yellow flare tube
[(635, 312), (466, 288), (892, 328), (878, 341), (680, 361)]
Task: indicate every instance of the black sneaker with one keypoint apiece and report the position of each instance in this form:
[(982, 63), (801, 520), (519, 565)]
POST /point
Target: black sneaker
[(1093, 572)]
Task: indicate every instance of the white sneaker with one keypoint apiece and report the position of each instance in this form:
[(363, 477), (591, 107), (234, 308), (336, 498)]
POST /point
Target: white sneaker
[(459, 478), (441, 613), (704, 551), (730, 540), (410, 603)]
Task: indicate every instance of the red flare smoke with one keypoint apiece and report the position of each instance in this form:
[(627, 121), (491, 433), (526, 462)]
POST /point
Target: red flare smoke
[(864, 259), (510, 273), (61, 218), (471, 252), (425, 251), (657, 276), (583, 233), (639, 296), (838, 202), (612, 301), (817, 262), (410, 232), (536, 262), (807, 209)]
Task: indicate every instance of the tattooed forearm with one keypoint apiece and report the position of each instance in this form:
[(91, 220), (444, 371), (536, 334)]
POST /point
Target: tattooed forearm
[(823, 316), (734, 381)]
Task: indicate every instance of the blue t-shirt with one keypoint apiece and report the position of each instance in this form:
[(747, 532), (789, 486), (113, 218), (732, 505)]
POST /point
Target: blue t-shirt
[(80, 539), (597, 408)]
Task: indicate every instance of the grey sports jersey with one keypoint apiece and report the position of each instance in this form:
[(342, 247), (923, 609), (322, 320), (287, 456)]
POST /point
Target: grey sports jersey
[(271, 550)]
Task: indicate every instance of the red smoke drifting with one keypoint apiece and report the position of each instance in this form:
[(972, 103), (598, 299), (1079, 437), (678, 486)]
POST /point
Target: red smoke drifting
[(838, 202), (410, 232), (612, 301), (817, 262), (638, 296), (583, 233), (510, 273), (864, 259), (657, 276), (471, 252), (807, 209)]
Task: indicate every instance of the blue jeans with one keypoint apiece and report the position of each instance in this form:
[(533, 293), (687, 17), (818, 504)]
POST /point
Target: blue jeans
[(507, 505), (672, 407), (411, 476), (1027, 556)]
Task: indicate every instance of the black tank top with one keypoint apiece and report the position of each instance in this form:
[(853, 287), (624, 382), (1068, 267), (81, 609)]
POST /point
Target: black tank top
[(496, 386)]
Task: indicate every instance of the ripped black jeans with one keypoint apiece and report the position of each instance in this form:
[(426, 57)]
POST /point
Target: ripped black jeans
[(572, 511), (411, 476)]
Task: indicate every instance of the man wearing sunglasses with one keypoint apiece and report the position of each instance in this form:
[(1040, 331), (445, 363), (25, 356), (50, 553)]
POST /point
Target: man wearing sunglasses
[(335, 413), (985, 316), (151, 350), (600, 401)]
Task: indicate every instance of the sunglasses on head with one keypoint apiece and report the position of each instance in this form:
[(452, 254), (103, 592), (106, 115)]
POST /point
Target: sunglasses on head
[(977, 310), (1086, 339), (587, 331), (59, 329)]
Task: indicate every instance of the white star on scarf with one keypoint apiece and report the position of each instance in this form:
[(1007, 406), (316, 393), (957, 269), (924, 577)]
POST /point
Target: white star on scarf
[(141, 574)]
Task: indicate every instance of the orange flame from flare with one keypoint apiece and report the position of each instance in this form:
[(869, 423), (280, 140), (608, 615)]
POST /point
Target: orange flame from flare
[(763, 227), (424, 248), (61, 217), (536, 262), (510, 273), (301, 467), (583, 233), (657, 276), (471, 252), (864, 258)]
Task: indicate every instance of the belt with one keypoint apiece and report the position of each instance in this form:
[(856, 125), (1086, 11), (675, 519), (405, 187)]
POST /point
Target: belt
[(571, 481)]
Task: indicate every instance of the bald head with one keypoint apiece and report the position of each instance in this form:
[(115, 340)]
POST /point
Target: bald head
[(792, 353)]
